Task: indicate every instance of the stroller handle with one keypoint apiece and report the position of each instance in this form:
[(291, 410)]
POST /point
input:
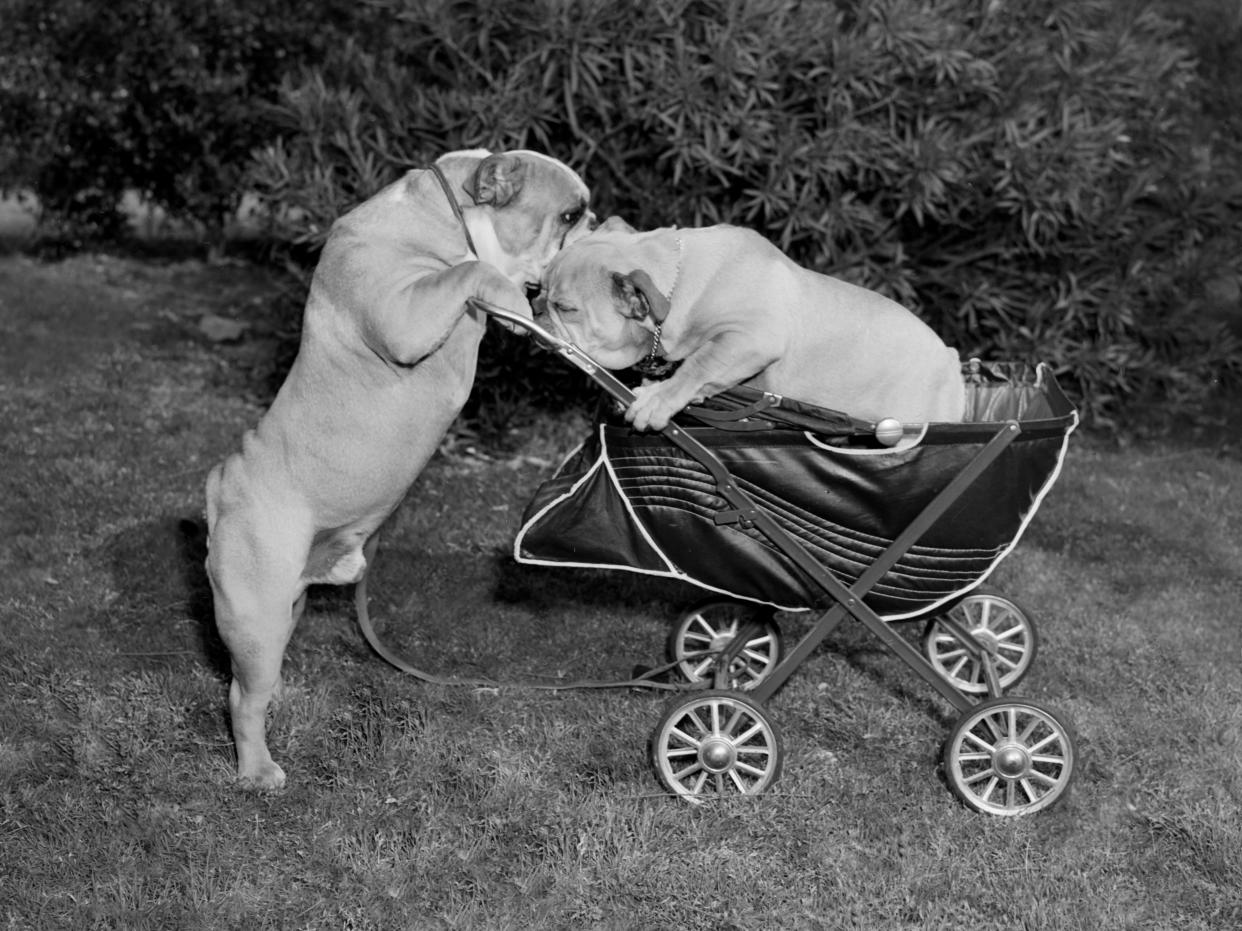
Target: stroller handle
[(606, 380), (888, 432), (562, 347)]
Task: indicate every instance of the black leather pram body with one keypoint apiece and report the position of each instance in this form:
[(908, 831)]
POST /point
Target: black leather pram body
[(635, 501)]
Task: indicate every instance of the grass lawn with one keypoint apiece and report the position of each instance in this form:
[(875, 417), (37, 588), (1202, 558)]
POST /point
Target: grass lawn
[(415, 806)]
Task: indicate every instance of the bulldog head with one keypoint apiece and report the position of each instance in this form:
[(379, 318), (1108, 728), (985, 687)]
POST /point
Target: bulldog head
[(601, 293), (523, 208)]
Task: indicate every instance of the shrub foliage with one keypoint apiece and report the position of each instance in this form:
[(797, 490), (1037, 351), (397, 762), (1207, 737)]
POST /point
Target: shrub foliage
[(1033, 178), (161, 97)]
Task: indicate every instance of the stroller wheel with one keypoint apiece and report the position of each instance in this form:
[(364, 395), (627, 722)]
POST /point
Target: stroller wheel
[(999, 625), (1009, 756), (709, 627), (716, 745)]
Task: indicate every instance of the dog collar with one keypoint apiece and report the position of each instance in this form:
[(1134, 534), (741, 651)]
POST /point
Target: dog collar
[(448, 193), (658, 319), (655, 365)]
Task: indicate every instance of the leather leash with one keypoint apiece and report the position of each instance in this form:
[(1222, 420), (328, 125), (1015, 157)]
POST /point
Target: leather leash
[(645, 680), (452, 199)]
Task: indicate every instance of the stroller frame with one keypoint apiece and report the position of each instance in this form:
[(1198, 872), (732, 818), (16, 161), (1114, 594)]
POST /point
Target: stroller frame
[(997, 742), (849, 601)]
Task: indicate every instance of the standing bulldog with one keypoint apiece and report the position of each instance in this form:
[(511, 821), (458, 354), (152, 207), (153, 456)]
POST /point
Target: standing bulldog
[(732, 307), (386, 362)]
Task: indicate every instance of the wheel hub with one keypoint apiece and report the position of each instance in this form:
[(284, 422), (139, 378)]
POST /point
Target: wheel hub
[(1011, 761), (987, 639), (717, 755)]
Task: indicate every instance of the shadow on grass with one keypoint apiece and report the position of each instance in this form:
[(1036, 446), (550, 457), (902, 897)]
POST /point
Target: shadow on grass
[(163, 591), (192, 555), (587, 588), (465, 609), (624, 595)]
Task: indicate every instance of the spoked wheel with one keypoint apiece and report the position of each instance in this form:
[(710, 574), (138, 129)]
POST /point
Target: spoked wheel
[(708, 628), (999, 625), (1009, 756), (716, 745)]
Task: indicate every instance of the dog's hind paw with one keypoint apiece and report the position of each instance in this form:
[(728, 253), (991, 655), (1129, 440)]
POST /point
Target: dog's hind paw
[(267, 777)]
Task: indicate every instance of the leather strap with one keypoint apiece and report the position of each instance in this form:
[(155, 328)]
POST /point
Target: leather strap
[(452, 199), (648, 679)]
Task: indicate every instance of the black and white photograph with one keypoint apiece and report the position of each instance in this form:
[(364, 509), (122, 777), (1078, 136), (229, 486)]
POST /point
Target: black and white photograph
[(621, 465)]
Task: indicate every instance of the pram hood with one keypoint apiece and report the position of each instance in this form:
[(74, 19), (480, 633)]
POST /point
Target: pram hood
[(635, 501)]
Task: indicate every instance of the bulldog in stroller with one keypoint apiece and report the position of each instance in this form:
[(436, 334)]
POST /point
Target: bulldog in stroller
[(730, 307)]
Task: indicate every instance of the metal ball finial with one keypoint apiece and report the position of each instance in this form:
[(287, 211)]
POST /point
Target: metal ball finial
[(889, 431)]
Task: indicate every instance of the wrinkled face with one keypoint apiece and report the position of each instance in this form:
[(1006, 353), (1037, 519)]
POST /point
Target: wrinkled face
[(587, 302), (550, 210)]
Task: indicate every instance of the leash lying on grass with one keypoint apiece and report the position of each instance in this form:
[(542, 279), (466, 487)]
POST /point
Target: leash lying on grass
[(648, 679)]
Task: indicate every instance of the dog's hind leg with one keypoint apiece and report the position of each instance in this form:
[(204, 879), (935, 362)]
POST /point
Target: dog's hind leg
[(259, 597)]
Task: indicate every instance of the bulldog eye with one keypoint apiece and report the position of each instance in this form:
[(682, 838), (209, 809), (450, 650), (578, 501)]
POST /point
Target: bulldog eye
[(563, 308), (570, 217)]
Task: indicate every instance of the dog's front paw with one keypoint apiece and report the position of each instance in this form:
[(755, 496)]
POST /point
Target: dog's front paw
[(654, 406), (493, 288)]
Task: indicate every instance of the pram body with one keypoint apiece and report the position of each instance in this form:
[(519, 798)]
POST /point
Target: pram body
[(771, 504), (638, 502)]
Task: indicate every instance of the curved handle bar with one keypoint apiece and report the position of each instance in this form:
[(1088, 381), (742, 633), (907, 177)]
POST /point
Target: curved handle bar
[(562, 347)]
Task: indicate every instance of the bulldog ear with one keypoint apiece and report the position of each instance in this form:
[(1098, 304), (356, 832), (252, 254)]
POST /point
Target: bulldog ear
[(615, 225), (639, 295), (630, 297), (497, 180)]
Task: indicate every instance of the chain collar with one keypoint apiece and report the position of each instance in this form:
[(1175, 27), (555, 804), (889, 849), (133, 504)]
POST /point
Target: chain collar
[(655, 366)]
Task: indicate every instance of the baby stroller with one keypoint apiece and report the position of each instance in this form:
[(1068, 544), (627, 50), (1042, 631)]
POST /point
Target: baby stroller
[(772, 505)]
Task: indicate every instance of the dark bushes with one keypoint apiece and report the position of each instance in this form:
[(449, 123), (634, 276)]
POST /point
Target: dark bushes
[(1038, 179), (1022, 174), (162, 97)]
